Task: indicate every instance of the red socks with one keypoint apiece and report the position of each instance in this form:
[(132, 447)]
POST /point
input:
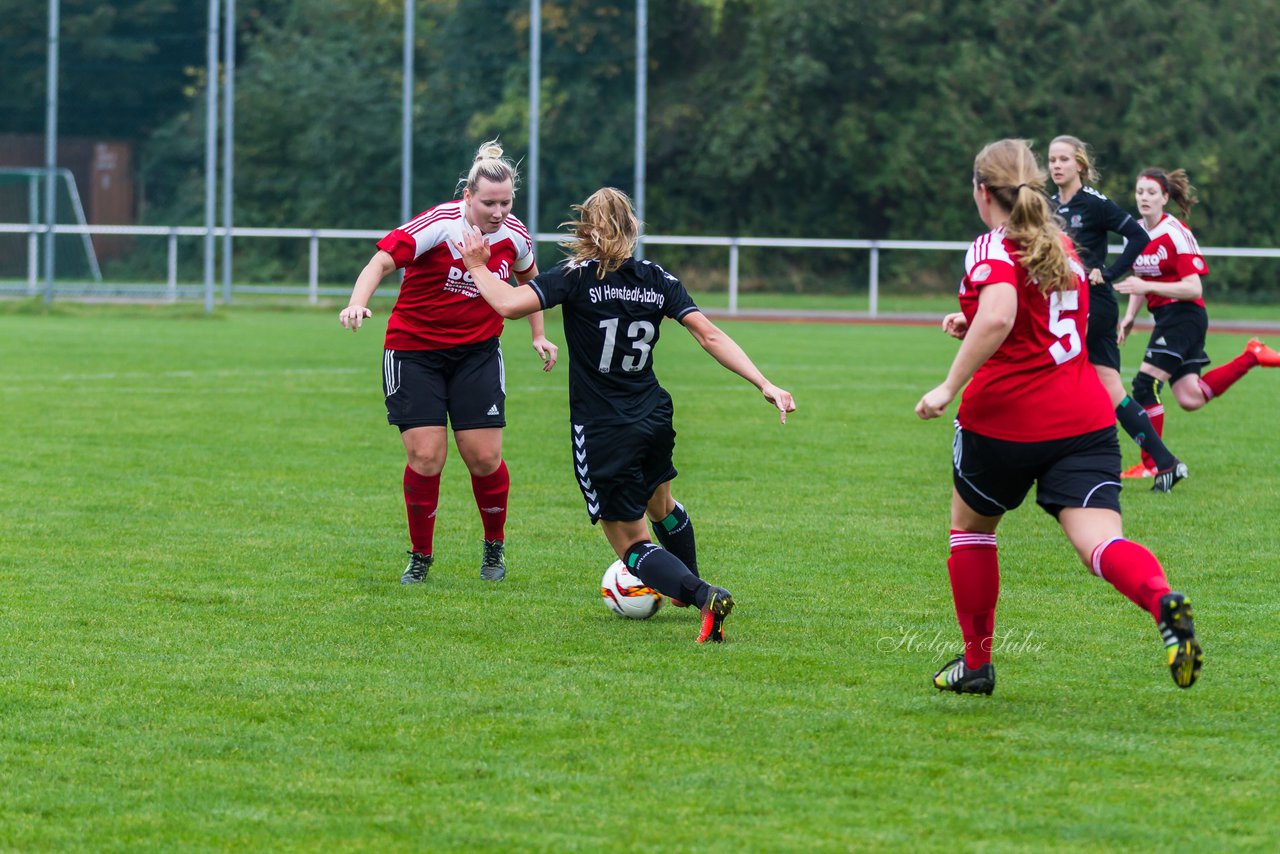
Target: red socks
[(1223, 377), (421, 498), (1132, 570), (975, 587), (491, 498), (1156, 416)]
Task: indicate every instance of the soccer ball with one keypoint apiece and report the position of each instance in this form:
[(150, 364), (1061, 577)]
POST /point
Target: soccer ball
[(626, 595)]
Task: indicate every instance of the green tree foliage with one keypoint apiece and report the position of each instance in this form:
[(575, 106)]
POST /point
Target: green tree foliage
[(822, 118)]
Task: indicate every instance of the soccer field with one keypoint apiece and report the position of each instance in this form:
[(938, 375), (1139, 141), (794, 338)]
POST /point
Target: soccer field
[(206, 644)]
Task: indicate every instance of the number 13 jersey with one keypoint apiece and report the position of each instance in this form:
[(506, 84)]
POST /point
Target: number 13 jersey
[(611, 327), (1039, 384)]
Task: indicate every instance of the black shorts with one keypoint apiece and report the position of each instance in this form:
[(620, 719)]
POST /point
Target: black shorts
[(618, 466), (994, 475), (1100, 339), (1177, 341), (463, 386)]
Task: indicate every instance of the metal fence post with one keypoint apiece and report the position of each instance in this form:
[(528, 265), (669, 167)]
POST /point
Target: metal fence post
[(33, 242), (873, 282), (313, 269), (733, 275), (171, 284)]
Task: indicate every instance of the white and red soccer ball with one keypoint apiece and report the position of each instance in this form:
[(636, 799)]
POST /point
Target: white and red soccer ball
[(626, 595)]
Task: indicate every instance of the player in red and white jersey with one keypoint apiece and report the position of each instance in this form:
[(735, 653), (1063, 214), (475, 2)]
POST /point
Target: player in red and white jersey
[(442, 362), (1168, 273), (1034, 412)]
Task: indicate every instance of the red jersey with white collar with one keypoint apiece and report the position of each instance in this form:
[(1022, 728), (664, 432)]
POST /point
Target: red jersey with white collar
[(1170, 256), (439, 305), (1039, 384)]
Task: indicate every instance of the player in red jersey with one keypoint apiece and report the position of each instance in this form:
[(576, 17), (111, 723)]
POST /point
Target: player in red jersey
[(1089, 216), (1168, 273), (1034, 412), (442, 362)]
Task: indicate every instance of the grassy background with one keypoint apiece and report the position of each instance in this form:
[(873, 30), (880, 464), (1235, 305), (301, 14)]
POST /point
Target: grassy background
[(206, 645)]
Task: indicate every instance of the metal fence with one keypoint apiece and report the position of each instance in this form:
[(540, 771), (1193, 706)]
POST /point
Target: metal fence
[(172, 290)]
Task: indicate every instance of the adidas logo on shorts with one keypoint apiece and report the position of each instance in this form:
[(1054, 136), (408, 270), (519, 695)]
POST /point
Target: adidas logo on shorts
[(493, 410)]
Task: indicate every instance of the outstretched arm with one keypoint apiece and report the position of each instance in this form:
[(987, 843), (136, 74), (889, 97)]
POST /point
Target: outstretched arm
[(507, 301), (366, 283), (997, 308), (727, 352)]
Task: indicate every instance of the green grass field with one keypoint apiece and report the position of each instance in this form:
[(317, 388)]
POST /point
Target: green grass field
[(206, 647)]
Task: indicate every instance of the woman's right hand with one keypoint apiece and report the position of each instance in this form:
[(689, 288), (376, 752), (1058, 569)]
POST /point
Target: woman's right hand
[(955, 325), (352, 316)]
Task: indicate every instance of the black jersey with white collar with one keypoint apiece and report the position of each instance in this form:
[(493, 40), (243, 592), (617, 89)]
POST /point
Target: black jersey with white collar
[(1090, 217), (611, 328)]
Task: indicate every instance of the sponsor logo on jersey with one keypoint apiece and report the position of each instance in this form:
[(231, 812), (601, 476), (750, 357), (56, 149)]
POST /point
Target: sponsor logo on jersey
[(1076, 222), (980, 273), (461, 282), (1148, 264)]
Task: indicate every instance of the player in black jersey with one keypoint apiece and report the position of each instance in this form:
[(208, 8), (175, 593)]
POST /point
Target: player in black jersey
[(1089, 217), (613, 306)]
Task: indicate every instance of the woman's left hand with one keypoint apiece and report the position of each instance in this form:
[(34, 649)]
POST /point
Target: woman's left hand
[(935, 402), (547, 351), (1095, 277), (1132, 285)]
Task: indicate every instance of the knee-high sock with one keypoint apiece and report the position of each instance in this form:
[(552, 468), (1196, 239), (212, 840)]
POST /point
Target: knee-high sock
[(1223, 377), (1132, 570), (974, 567), (676, 535), (1146, 391), (1135, 421), (491, 492), (666, 573), (421, 498)]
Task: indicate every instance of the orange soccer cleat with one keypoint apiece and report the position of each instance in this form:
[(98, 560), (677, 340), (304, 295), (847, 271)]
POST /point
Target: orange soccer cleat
[(1138, 470), (1266, 357)]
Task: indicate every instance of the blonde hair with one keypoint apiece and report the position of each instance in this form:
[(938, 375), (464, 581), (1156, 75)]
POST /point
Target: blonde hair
[(1088, 174), (1009, 171), (605, 230), (490, 165), (1176, 185)]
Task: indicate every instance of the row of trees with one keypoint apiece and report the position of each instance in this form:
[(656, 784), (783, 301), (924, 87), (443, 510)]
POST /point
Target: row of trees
[(818, 118)]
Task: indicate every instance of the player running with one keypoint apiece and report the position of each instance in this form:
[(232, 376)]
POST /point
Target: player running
[(622, 430), (1169, 274), (1033, 412), (1089, 217)]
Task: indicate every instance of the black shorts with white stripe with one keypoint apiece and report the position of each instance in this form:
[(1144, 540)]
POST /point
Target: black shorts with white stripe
[(1177, 341), (993, 476), (618, 466), (463, 386)]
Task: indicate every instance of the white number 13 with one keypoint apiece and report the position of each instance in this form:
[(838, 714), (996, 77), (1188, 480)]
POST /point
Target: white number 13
[(639, 334), (1067, 347)]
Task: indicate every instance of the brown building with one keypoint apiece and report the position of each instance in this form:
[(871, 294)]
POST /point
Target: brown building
[(103, 171)]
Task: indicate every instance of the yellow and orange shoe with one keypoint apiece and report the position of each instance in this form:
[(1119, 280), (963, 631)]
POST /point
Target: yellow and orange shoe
[(1266, 357), (1138, 470), (718, 605)]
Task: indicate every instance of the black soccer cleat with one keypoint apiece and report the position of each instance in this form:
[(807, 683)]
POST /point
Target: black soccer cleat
[(1178, 631), (718, 605), (1166, 480), (493, 565), (416, 571), (955, 676)]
